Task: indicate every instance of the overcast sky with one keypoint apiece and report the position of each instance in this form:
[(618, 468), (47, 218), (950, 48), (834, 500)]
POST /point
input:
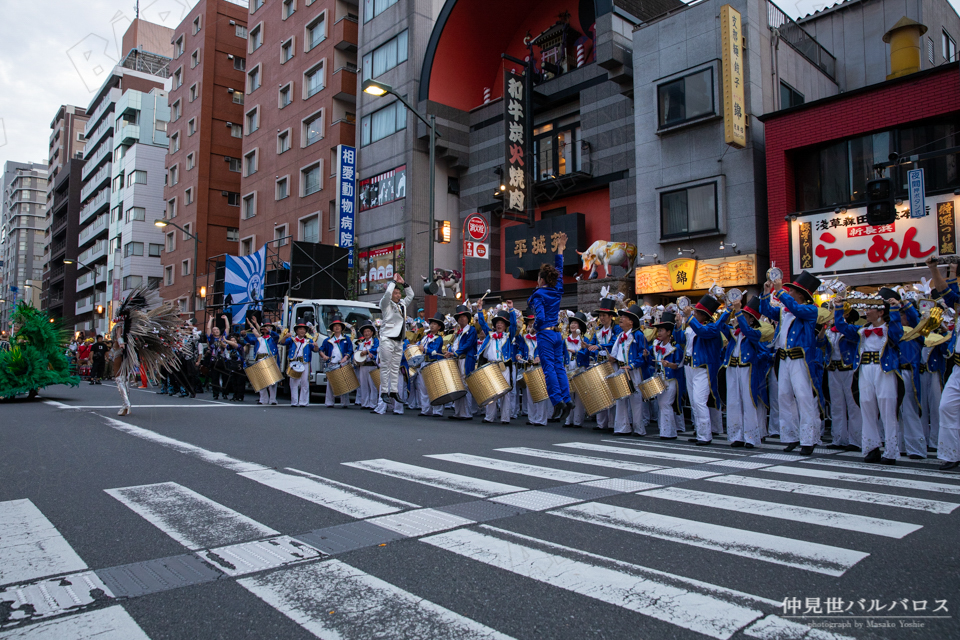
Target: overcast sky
[(55, 52)]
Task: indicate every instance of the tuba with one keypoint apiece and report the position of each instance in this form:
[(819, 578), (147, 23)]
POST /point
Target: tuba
[(929, 322)]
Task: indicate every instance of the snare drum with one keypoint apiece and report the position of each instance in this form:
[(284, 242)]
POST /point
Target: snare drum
[(487, 384), (443, 381), (536, 383), (296, 369), (652, 387), (264, 373), (592, 389), (342, 379), (621, 386)]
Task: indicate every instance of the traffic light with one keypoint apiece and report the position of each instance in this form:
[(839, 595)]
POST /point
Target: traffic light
[(881, 208)]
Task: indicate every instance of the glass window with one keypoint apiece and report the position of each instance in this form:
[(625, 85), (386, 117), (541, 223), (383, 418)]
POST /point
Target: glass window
[(377, 266), (250, 162), (194, 92), (132, 282), (137, 177), (689, 210), (313, 80), (282, 189), (188, 196), (310, 179), (280, 235), (168, 276), (286, 95), (865, 152), (253, 120), (312, 129), (191, 126), (233, 234), (155, 250), (236, 131), (241, 31), (310, 229), (136, 213), (171, 242), (789, 97), (686, 98), (256, 38), (133, 249), (316, 32), (939, 173), (253, 79), (383, 123), (373, 8), (190, 161), (233, 199), (949, 47), (289, 8), (286, 50), (171, 208), (249, 207), (283, 141), (386, 56), (185, 267), (240, 64)]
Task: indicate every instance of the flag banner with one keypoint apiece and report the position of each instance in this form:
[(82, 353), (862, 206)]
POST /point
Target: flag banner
[(243, 283)]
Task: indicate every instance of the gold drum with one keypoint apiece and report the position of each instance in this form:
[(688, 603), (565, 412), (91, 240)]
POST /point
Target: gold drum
[(592, 389), (343, 380), (487, 384), (536, 384), (621, 386), (443, 381), (264, 373), (375, 376), (652, 387), (414, 355)]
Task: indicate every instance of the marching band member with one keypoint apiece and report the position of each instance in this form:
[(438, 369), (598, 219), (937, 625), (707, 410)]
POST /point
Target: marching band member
[(265, 340), (600, 346), (464, 348), (578, 359), (669, 362), (545, 303), (498, 347), (796, 344), (393, 306), (369, 346), (528, 354), (337, 349), (299, 349), (845, 416), (432, 346), (933, 364), (911, 434), (747, 359), (701, 342), (628, 350), (948, 444)]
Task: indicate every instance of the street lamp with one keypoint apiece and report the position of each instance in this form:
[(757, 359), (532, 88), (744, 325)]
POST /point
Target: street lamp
[(196, 243), (69, 261), (378, 89)]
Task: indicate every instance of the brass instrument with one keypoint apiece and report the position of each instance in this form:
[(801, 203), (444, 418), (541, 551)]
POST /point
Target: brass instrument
[(929, 322)]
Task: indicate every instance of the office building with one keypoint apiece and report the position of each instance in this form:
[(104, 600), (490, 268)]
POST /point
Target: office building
[(22, 219)]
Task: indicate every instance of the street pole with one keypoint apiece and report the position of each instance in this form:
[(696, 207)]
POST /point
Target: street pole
[(433, 192), (193, 296)]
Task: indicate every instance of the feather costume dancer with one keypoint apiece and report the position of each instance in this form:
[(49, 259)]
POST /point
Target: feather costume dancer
[(143, 341), (36, 357)]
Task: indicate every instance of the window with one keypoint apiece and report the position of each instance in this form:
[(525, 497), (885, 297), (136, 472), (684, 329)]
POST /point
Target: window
[(136, 213), (132, 282), (173, 175), (280, 235), (132, 249), (233, 164), (137, 177), (175, 142), (313, 80), (168, 276), (256, 4), (233, 234), (185, 267), (246, 247), (195, 58), (789, 97), (688, 211), (380, 124), (253, 79), (233, 199), (190, 161), (315, 32), (188, 196), (241, 31), (176, 111), (240, 64), (931, 56), (256, 37), (237, 97), (310, 179), (311, 129), (381, 261), (236, 130), (253, 120), (286, 95), (282, 188), (283, 141), (286, 51), (171, 211), (155, 250), (250, 163), (248, 208), (373, 8), (187, 230), (385, 57), (310, 229), (556, 148), (686, 98), (288, 8), (171, 242), (178, 78), (178, 47), (949, 47), (191, 126), (196, 25), (194, 92)]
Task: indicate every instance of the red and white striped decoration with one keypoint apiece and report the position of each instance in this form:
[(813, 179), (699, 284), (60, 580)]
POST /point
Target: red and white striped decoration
[(486, 95), (580, 57)]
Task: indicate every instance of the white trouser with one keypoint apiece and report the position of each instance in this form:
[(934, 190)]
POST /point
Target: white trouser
[(300, 389), (504, 404), (632, 412), (930, 392), (878, 405), (762, 420), (426, 408), (742, 425), (799, 414), (537, 412), (773, 418), (413, 391), (911, 427), (605, 417), (948, 444), (268, 395), (391, 354), (716, 421), (579, 410), (461, 407), (846, 424), (698, 391), (668, 421), (397, 406), (371, 394), (329, 398)]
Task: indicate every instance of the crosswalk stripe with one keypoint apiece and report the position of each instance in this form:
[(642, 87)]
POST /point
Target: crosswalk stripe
[(259, 555), (331, 599), (30, 546), (327, 493), (898, 470), (51, 597), (432, 477), (111, 623), (884, 481), (809, 556), (560, 456), (546, 473), (642, 453), (679, 445), (839, 493), (858, 454), (191, 519), (420, 522), (693, 605), (535, 500), (824, 518)]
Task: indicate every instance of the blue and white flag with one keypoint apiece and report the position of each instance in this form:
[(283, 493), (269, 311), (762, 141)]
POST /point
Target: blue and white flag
[(243, 282)]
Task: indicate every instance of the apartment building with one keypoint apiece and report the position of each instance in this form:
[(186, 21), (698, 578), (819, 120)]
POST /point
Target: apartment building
[(21, 235), (299, 103), (202, 192)]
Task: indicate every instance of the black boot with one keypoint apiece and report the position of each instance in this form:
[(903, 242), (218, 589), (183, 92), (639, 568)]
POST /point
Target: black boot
[(806, 451), (565, 412), (947, 466), (872, 456), (557, 410), (791, 446)]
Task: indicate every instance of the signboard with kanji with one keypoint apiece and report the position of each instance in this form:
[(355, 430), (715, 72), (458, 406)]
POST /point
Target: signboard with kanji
[(514, 122), (476, 250), (916, 191), (346, 198), (828, 242), (476, 228), (686, 274), (527, 248), (681, 273), (734, 100)]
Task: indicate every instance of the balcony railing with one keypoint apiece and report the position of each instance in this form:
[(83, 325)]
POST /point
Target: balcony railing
[(345, 33), (794, 35), (57, 272), (102, 199), (90, 231), (344, 84), (94, 161), (93, 183), (98, 250), (109, 99), (105, 126), (85, 305), (57, 247)]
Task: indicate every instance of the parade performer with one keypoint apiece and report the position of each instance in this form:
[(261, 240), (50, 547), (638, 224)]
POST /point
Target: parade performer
[(747, 360), (948, 443), (393, 306), (368, 396), (795, 341), (846, 424), (669, 363), (528, 355), (498, 347), (36, 357), (98, 355), (878, 376), (702, 344), (265, 341), (143, 341), (911, 428), (336, 351), (545, 303), (601, 344), (578, 360), (464, 349), (300, 350), (432, 346), (933, 365), (628, 354)]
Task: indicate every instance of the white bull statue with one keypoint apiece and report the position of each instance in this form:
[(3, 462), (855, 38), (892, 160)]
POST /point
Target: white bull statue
[(602, 252)]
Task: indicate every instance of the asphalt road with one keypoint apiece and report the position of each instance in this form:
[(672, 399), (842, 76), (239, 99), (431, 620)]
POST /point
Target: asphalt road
[(195, 519)]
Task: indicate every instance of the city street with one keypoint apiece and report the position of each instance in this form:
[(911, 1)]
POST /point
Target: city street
[(200, 519)]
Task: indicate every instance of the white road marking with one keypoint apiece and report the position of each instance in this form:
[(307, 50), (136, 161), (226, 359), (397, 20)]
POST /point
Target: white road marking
[(30, 546), (739, 464), (546, 473), (57, 405), (161, 406), (52, 597), (690, 604), (327, 493), (897, 469), (883, 481), (535, 500), (776, 628), (112, 623), (247, 557), (639, 452), (857, 454), (678, 445), (561, 456), (333, 600), (821, 517), (420, 522), (191, 519), (432, 477), (622, 485), (809, 556), (839, 493)]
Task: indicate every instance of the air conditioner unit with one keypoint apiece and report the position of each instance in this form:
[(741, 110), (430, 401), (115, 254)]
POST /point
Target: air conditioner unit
[(224, 193), (233, 22), (230, 90), (229, 125), (230, 55)]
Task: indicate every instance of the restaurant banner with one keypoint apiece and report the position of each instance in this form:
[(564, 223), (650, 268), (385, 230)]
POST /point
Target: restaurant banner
[(527, 248), (689, 274), (515, 144), (734, 100)]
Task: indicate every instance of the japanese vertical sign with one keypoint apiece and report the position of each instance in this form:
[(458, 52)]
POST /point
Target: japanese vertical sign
[(915, 188), (806, 245), (734, 102), (515, 123), (946, 229), (346, 198), (682, 272)]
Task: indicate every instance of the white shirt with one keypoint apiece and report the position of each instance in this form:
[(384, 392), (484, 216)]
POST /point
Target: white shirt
[(786, 320), (925, 354), (874, 342), (605, 335), (736, 345), (262, 346), (621, 348), (335, 353), (690, 335), (494, 351), (529, 339), (834, 338), (668, 349)]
